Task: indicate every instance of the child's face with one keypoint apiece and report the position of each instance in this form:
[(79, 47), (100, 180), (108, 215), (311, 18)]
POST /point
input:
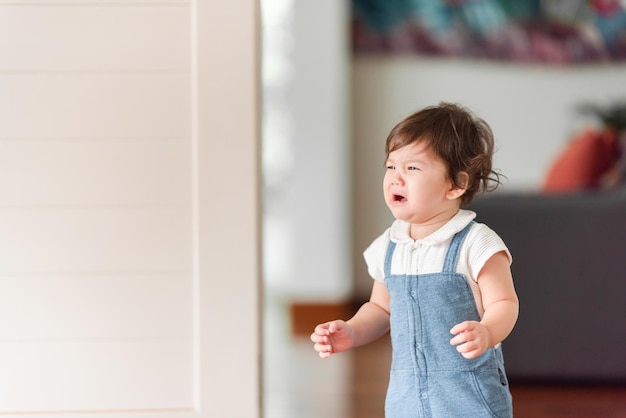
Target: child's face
[(416, 186)]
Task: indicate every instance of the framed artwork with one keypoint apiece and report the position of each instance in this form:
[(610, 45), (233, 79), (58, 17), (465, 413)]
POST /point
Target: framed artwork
[(534, 31)]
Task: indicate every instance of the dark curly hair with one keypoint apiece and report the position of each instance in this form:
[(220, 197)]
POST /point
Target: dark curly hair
[(464, 142)]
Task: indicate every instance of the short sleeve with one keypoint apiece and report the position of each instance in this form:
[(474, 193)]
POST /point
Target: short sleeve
[(483, 243), (375, 256)]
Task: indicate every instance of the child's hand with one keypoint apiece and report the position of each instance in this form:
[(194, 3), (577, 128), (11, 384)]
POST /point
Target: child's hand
[(332, 337), (472, 338)]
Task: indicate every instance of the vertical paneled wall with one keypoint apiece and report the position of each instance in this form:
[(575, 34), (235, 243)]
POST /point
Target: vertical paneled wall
[(96, 277)]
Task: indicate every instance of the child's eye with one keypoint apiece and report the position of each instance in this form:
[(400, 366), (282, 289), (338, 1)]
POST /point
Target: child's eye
[(412, 167), (391, 167)]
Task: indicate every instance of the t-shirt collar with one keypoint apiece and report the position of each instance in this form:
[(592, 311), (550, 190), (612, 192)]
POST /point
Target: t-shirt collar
[(399, 232)]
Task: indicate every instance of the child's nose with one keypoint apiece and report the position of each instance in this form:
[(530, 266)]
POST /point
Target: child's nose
[(397, 178)]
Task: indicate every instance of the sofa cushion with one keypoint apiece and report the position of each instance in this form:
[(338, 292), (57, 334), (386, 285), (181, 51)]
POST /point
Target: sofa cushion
[(581, 166), (569, 269)]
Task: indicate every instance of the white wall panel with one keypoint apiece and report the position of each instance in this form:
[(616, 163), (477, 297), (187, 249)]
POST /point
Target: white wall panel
[(100, 267), (93, 2), (91, 172), (105, 240), (137, 105), (79, 306), (95, 375), (96, 263), (92, 36)]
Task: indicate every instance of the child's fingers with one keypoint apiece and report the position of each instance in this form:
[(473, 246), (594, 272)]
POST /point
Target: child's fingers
[(462, 327), (461, 338), (470, 350), (323, 337), (471, 354), (322, 347), (467, 347), (335, 326), (322, 329), (324, 350)]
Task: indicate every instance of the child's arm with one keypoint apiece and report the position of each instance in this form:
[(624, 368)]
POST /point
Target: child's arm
[(501, 309), (369, 323)]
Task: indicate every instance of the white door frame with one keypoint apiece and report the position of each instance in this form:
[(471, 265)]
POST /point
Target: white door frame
[(227, 132)]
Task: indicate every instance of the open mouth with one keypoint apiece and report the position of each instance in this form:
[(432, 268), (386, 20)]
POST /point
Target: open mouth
[(399, 198)]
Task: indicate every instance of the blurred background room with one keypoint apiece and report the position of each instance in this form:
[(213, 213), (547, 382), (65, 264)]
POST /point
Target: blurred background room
[(550, 78)]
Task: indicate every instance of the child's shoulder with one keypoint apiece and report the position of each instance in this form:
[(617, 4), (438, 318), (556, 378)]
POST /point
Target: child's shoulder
[(480, 231), (482, 242)]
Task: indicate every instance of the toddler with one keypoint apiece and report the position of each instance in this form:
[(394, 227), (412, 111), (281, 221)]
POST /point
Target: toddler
[(442, 282)]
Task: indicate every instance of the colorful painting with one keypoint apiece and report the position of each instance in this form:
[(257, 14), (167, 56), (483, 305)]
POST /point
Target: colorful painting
[(540, 31)]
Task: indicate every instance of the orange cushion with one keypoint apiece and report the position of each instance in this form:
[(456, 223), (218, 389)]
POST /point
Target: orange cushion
[(581, 166)]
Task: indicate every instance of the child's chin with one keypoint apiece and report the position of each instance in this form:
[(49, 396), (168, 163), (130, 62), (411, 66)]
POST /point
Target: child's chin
[(398, 213)]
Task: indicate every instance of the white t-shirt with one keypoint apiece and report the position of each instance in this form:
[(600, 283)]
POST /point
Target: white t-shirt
[(427, 255)]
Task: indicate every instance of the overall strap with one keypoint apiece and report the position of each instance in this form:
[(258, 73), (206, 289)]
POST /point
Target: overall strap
[(449, 265), (388, 257)]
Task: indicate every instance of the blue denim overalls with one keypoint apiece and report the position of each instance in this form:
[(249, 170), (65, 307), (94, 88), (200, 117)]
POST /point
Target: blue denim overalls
[(429, 377)]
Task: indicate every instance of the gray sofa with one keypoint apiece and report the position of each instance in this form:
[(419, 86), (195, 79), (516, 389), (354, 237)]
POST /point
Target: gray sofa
[(569, 268)]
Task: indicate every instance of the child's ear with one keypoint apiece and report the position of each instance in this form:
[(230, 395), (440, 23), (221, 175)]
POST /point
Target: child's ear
[(458, 187)]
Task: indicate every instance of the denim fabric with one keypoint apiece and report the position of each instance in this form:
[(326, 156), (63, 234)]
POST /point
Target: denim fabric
[(429, 377)]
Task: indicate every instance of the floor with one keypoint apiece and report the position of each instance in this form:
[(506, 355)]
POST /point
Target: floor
[(297, 383)]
